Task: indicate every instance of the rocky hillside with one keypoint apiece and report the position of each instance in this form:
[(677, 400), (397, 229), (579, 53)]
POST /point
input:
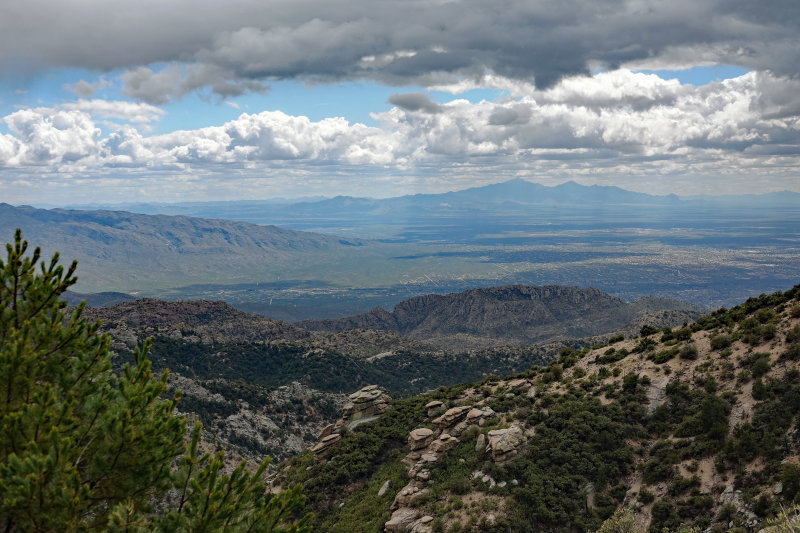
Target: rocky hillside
[(514, 314), (262, 386), (250, 421), (206, 340), (213, 349), (695, 426)]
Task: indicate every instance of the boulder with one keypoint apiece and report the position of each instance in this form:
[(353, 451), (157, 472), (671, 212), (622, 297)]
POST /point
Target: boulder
[(429, 458), (327, 430), (423, 475), (401, 521), (408, 495), (477, 416), (505, 444), (368, 402), (415, 470), (365, 405), (433, 407), (410, 459), (370, 393), (480, 443), (444, 443), (451, 417), (419, 438), (518, 384)]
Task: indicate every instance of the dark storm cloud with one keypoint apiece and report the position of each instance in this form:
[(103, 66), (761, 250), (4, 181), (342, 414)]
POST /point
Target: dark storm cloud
[(415, 102), (242, 45)]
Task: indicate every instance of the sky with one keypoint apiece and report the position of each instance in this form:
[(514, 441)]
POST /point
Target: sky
[(175, 100)]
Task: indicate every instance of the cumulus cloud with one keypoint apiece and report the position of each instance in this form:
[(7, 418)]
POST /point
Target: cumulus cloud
[(247, 44), (119, 109), (273, 136), (618, 113), (618, 121), (53, 138)]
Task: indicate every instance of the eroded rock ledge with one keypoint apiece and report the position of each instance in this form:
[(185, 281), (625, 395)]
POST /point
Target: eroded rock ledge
[(365, 405)]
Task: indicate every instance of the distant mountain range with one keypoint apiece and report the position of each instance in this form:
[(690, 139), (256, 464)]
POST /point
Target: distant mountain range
[(705, 250), (124, 251), (515, 314), (513, 195)]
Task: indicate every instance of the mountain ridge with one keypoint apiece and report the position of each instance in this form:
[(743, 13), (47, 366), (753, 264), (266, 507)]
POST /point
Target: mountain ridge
[(125, 251), (515, 190), (517, 314)]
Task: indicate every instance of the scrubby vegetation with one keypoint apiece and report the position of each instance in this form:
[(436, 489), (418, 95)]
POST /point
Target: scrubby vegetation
[(689, 429), (277, 363)]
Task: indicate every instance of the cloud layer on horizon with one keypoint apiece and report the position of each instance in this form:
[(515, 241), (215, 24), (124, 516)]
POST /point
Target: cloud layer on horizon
[(617, 122)]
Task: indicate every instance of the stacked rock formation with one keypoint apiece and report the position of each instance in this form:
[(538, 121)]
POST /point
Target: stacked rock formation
[(427, 445), (365, 405)]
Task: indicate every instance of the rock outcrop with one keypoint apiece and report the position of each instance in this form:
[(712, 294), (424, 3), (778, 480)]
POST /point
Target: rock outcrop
[(420, 438), (427, 445), (365, 405), (434, 407), (325, 443), (505, 444), (405, 520), (456, 419)]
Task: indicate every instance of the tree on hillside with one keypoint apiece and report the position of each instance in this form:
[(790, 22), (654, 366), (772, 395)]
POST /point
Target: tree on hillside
[(85, 449)]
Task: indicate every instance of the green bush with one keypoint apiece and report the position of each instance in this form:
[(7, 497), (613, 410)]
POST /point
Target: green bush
[(791, 352), (680, 484), (664, 516), (688, 352), (790, 477), (647, 330), (459, 485), (720, 341), (646, 496), (663, 356)]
